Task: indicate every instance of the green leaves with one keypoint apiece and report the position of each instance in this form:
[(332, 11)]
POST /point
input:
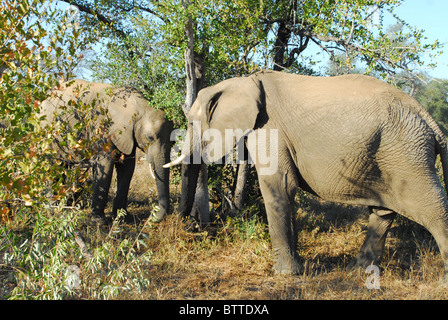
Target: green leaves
[(434, 97), (51, 247), (354, 29), (37, 49), (239, 37)]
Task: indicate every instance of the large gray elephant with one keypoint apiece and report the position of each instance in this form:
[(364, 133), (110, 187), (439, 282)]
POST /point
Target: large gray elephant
[(123, 117), (350, 139)]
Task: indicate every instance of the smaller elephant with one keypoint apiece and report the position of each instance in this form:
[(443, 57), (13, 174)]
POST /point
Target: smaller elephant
[(123, 121)]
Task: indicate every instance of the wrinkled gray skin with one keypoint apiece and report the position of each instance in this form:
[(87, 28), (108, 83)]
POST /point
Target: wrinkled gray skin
[(133, 124), (350, 139)]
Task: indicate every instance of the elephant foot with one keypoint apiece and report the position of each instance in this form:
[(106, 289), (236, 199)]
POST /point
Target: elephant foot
[(123, 216), (288, 266), (363, 260), (129, 218), (100, 220)]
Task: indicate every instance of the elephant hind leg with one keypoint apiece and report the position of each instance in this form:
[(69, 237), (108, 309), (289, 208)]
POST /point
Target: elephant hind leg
[(428, 205), (437, 224), (440, 233), (371, 251)]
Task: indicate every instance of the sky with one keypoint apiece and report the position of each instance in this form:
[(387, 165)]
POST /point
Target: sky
[(431, 16)]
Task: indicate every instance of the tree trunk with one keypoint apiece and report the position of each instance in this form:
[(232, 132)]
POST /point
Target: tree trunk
[(280, 45), (194, 69), (192, 89)]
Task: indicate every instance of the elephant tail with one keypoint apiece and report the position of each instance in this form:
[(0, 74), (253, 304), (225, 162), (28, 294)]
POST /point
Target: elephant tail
[(441, 142), (442, 149)]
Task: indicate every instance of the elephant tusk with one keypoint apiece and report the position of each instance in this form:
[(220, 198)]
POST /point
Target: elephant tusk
[(175, 162), (151, 171)]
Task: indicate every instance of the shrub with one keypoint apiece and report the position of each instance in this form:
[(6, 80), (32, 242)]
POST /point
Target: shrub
[(50, 260)]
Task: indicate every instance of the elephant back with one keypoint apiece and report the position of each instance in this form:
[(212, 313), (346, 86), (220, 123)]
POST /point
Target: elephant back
[(78, 110)]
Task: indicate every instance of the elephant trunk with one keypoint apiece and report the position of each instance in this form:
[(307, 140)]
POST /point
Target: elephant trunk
[(190, 174), (157, 159)]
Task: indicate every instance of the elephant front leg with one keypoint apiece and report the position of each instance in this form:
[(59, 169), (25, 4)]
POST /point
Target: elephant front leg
[(102, 177), (125, 171), (278, 192)]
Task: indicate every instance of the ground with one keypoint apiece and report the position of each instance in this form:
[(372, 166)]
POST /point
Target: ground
[(232, 259)]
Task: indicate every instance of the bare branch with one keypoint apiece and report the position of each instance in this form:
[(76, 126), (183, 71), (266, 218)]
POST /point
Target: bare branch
[(102, 18), (164, 19), (352, 31), (297, 51)]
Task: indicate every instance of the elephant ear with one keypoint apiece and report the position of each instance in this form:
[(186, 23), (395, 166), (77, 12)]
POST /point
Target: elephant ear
[(121, 130), (231, 108)]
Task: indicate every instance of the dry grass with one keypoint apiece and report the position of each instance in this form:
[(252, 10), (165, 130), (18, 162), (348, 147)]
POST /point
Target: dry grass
[(192, 265), (233, 260)]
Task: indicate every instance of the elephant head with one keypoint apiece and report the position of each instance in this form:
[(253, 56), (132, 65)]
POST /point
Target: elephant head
[(231, 107), (146, 128), (221, 115)]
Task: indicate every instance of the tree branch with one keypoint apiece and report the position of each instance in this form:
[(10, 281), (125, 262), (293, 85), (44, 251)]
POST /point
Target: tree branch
[(297, 51), (167, 21), (110, 23), (376, 54), (148, 10), (102, 18)]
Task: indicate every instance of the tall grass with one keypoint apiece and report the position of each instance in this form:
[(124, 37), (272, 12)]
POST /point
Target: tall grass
[(41, 249), (40, 256)]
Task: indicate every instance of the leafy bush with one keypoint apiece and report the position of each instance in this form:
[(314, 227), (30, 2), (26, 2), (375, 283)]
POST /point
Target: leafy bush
[(252, 228), (34, 57), (40, 244), (52, 261)]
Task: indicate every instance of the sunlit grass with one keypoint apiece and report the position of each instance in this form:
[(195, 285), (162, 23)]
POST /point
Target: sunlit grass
[(229, 259)]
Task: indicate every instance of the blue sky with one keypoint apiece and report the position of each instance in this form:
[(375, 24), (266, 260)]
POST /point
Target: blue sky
[(431, 16)]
